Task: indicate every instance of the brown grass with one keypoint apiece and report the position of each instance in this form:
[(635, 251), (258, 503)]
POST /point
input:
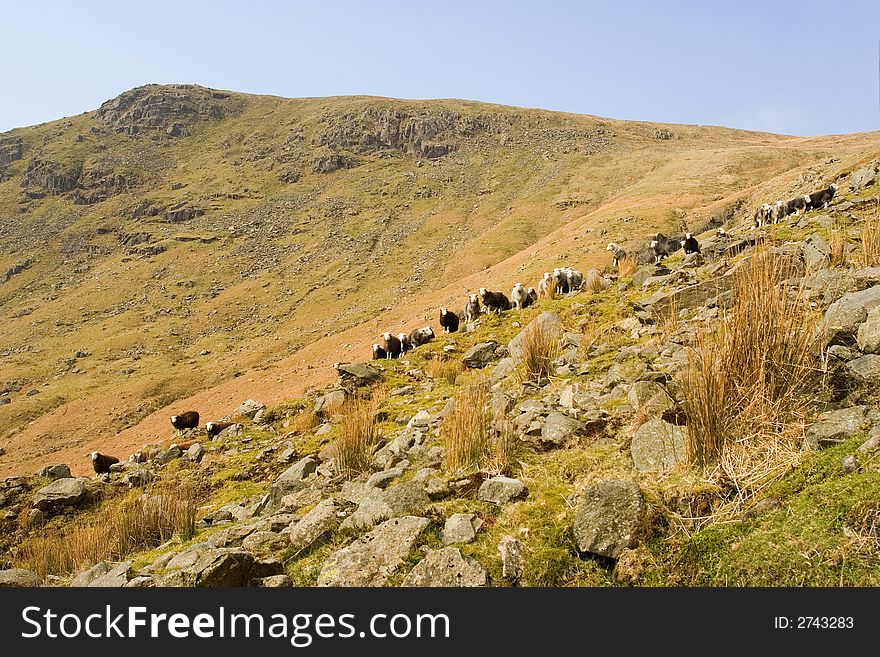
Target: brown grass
[(445, 369), (870, 256), (465, 431), (839, 249), (137, 523), (627, 266), (502, 450), (749, 378), (594, 283), (540, 347), (303, 422), (359, 435)]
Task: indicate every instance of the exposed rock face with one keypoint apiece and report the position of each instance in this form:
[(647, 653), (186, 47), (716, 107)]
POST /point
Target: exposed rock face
[(11, 149), (836, 426), (460, 528), (51, 176), (290, 481), (446, 567), (165, 109), (314, 525), (16, 269), (868, 334), (611, 517), (248, 409), (359, 373), (406, 498), (865, 369), (218, 567), (549, 322), (843, 317), (480, 355), (375, 557), (60, 493), (53, 472), (659, 446)]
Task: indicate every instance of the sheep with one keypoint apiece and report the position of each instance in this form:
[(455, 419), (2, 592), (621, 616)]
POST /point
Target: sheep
[(392, 346), (574, 278), (690, 244), (533, 297), (405, 344), (379, 352), (796, 204), (547, 286), (472, 308), (822, 197), (213, 429), (519, 296), (663, 246), (101, 462), (448, 320), (762, 214), (494, 301), (561, 281), (777, 212), (721, 233), (420, 336), (187, 420), (617, 252)]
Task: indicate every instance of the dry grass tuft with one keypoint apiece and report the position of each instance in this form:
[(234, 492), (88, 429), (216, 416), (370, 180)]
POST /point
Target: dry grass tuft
[(594, 283), (540, 347), (750, 377), (359, 435), (870, 256), (839, 249), (445, 369), (303, 422), (627, 266), (465, 431), (138, 523)]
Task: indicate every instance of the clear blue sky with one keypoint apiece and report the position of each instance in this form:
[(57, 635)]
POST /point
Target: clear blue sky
[(793, 67)]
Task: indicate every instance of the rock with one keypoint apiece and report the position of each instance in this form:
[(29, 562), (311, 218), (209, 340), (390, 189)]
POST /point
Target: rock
[(375, 557), (460, 528), (480, 355), (868, 333), (382, 479), (327, 404), (218, 567), (195, 453), (611, 517), (842, 319), (316, 524), (86, 577), (172, 453), (624, 373), (139, 582), (55, 472), (662, 302), (360, 374), (864, 177), (650, 398), (865, 369), (505, 367), (446, 567), (850, 464), (115, 577), (404, 499), (501, 490), (289, 481), (36, 518), (762, 506), (513, 560), (646, 272), (830, 284), (60, 493), (262, 541), (248, 409), (559, 429), (273, 582), (659, 446), (18, 578), (834, 427), (551, 324), (139, 478), (873, 441), (420, 420)]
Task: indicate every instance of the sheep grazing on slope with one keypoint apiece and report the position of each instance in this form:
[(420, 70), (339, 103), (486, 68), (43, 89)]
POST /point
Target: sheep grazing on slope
[(762, 215), (379, 352), (547, 286), (796, 205), (494, 301), (405, 344), (822, 197), (533, 297), (448, 320), (663, 247), (574, 278), (101, 462), (519, 296), (187, 420), (721, 233), (617, 252), (420, 336), (777, 212), (561, 281), (472, 308), (690, 244), (392, 346), (213, 429)]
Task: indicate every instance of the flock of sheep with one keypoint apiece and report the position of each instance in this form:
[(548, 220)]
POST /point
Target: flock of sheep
[(772, 214)]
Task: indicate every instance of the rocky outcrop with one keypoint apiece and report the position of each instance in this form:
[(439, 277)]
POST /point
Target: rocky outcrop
[(501, 490), (611, 517), (446, 567), (18, 578), (52, 177), (59, 494), (480, 355), (844, 316)]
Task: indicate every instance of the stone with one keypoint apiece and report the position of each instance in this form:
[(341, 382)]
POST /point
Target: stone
[(248, 409), (480, 355), (549, 322), (850, 464), (834, 427), (843, 317), (289, 481), (221, 568), (314, 525), (359, 373), (382, 479), (168, 455), (501, 490), (374, 558), (55, 472), (404, 499), (273, 582), (505, 367), (60, 493), (611, 517), (559, 429), (18, 578), (865, 177), (868, 333), (830, 284), (460, 528), (420, 420), (139, 478), (115, 577), (329, 403), (195, 453), (650, 398), (263, 540), (865, 369), (624, 373), (446, 567), (646, 272), (86, 577), (658, 446), (513, 561), (873, 441)]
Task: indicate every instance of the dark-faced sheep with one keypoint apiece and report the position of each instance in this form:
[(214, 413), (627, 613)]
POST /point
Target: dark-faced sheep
[(617, 252), (821, 198), (690, 244), (533, 297), (762, 215), (420, 336), (379, 352), (101, 462), (448, 320), (472, 308), (494, 301), (213, 429), (187, 420), (561, 281), (392, 346), (796, 205), (574, 278), (663, 246)]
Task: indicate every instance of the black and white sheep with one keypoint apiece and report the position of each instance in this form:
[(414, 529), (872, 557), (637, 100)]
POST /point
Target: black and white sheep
[(533, 297), (663, 246), (820, 199), (561, 280), (617, 252), (213, 429), (392, 346), (494, 301), (448, 320), (379, 352), (187, 420), (796, 205), (574, 278), (690, 244), (420, 336), (405, 343)]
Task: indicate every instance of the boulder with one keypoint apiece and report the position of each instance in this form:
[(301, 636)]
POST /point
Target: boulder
[(289, 481), (873, 441), (513, 561), (611, 517), (830, 284), (850, 464), (360, 374), (375, 557), (316, 524), (551, 324), (195, 453), (327, 404), (218, 567), (385, 477), (18, 578), (460, 528), (650, 398), (446, 567), (248, 409), (865, 177), (559, 429), (501, 490), (86, 577), (842, 319), (404, 499), (60, 493), (834, 427), (55, 472), (868, 333), (115, 577), (659, 446), (865, 369), (139, 478), (480, 355)]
